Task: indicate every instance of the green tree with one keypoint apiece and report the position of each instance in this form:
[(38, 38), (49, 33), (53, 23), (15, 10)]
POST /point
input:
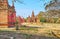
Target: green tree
[(42, 19)]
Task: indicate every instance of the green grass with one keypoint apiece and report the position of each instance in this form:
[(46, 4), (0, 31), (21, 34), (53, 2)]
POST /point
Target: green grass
[(28, 28), (6, 31)]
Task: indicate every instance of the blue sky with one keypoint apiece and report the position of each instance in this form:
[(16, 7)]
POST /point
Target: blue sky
[(25, 10)]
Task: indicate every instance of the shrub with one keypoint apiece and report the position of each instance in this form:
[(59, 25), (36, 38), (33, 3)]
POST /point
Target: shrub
[(42, 19)]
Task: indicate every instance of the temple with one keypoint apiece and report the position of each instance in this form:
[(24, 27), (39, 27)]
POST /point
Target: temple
[(7, 14), (33, 18), (20, 20)]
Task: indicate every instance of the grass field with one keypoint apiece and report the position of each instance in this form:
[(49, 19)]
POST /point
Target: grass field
[(44, 30)]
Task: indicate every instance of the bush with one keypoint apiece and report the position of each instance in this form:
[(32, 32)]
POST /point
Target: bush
[(42, 19), (55, 20)]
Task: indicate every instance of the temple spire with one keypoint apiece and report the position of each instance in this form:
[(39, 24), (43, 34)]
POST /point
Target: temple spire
[(32, 13), (13, 3)]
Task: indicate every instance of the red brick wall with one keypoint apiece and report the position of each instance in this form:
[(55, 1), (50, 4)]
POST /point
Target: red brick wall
[(11, 19)]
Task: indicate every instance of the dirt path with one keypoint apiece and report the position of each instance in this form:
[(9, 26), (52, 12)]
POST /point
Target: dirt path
[(22, 36)]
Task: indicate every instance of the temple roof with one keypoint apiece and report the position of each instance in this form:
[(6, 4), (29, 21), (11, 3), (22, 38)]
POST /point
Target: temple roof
[(11, 8)]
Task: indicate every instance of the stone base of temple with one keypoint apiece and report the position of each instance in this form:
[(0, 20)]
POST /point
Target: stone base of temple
[(3, 25)]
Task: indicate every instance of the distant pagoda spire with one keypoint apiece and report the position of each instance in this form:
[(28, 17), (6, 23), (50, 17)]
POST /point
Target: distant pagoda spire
[(32, 13)]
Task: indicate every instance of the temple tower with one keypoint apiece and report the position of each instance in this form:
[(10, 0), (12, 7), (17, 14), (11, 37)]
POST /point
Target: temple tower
[(3, 13), (11, 15), (33, 17)]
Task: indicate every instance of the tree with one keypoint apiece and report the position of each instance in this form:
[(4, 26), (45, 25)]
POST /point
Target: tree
[(17, 27), (54, 4)]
